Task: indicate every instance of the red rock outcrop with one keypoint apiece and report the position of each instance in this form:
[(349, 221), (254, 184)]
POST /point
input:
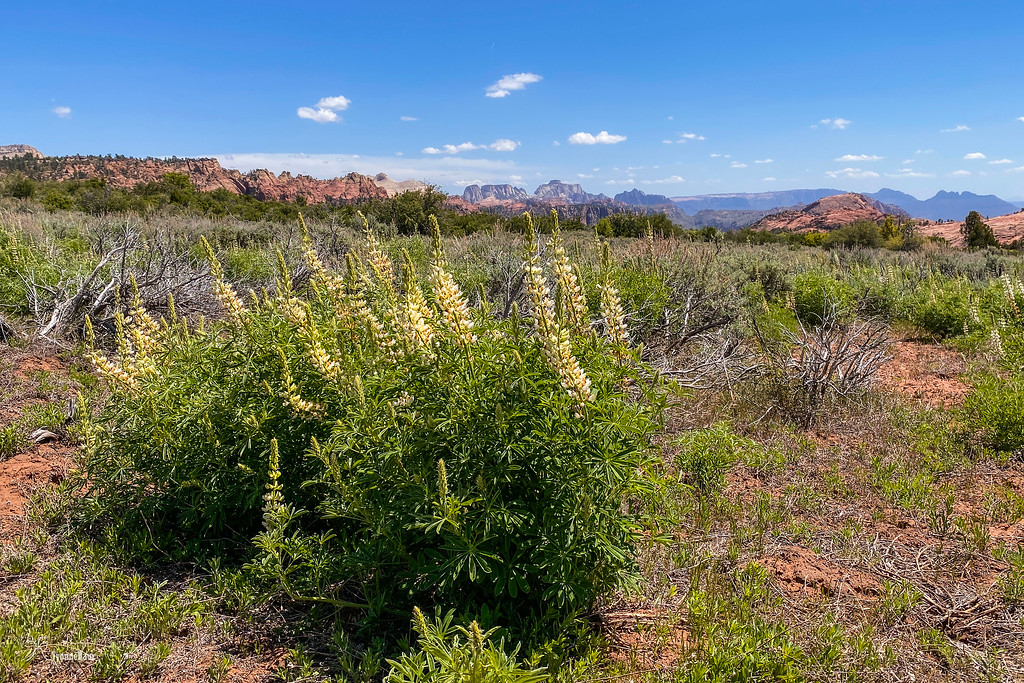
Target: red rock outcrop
[(1007, 229), (825, 214), (208, 175)]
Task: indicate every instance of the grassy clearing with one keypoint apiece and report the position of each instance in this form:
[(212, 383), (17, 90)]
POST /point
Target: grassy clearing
[(272, 493)]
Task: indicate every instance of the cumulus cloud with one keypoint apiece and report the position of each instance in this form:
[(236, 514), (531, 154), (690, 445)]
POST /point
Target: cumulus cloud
[(764, 161), (408, 118), (62, 112), (860, 157), (326, 110), (502, 145), (974, 155), (509, 82), (737, 164), (851, 173), (956, 129), (1021, 119), (961, 172), (838, 123), (686, 137), (602, 138), (1001, 161)]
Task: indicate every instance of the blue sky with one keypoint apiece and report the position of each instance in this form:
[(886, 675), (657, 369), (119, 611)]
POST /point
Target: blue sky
[(693, 98)]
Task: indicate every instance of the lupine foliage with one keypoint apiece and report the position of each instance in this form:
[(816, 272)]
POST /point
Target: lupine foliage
[(404, 447)]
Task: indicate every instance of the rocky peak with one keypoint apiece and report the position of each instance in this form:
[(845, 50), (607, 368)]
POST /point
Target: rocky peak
[(636, 197), (8, 151), (556, 189), (476, 193)]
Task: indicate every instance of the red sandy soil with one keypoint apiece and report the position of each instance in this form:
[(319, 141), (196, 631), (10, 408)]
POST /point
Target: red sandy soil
[(926, 372)]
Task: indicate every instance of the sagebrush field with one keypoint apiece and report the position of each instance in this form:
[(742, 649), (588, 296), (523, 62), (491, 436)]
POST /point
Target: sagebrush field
[(235, 450)]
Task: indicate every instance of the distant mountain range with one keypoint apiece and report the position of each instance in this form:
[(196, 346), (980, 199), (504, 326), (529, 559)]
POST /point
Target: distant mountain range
[(943, 206), (723, 211)]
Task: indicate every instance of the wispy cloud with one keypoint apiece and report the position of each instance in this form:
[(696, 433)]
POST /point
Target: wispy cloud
[(769, 179), (960, 173), (764, 161), (860, 157), (602, 138), (584, 176), (408, 118), (326, 110), (663, 181), (62, 112), (908, 173), (974, 156), (737, 164), (956, 129), (851, 173), (1001, 161), (837, 123), (502, 145), (686, 137), (509, 82), (624, 181)]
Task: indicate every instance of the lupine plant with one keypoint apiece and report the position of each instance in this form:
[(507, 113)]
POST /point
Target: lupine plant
[(385, 442)]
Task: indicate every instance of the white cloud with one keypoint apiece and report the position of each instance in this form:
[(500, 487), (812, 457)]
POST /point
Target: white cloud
[(907, 161), (764, 161), (602, 138), (62, 112), (515, 178), (584, 175), (860, 157), (961, 172), (1018, 169), (838, 123), (670, 118), (626, 181), (464, 183), (666, 142), (326, 110), (769, 179), (974, 155), (555, 143), (1001, 161), (908, 173), (737, 164), (506, 84), (502, 145), (958, 129), (336, 103), (318, 115), (713, 156), (408, 118), (851, 173), (1021, 119), (686, 137), (663, 181)]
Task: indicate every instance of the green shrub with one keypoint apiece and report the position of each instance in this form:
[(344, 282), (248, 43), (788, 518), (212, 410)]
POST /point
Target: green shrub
[(418, 452), (816, 293), (995, 411), (707, 454)]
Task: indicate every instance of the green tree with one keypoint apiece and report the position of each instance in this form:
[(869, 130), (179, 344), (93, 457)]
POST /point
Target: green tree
[(977, 233)]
